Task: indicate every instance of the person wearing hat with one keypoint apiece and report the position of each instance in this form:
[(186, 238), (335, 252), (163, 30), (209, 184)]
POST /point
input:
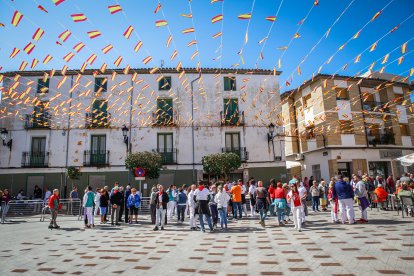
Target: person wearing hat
[(116, 201)]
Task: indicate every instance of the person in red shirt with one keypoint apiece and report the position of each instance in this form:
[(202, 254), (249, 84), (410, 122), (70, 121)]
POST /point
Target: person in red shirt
[(382, 196), (280, 203), (54, 206), (293, 199)]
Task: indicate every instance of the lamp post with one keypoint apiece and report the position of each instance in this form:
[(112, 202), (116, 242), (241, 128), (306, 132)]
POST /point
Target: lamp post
[(270, 137), (125, 134), (4, 134)]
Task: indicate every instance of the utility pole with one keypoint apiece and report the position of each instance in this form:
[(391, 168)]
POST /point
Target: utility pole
[(192, 125), (65, 190)]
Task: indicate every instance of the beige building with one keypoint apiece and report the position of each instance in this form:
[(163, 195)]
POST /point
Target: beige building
[(348, 125)]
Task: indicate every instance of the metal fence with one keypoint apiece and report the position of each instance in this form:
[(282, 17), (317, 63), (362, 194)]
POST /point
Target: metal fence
[(33, 208)]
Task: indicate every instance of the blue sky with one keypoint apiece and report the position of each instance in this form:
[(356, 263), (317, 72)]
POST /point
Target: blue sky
[(140, 14)]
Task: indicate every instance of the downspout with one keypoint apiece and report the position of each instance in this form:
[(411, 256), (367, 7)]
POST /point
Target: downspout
[(67, 141), (129, 145), (192, 124)]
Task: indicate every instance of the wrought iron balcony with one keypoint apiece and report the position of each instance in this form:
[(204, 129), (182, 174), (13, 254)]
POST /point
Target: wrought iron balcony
[(163, 118), (169, 156), (31, 159), (242, 152), (373, 106), (97, 120), (232, 119), (92, 158), (381, 139), (37, 121)]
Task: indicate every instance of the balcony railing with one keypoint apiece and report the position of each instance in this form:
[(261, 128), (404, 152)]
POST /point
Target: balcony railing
[(169, 156), (372, 106), (381, 139), (233, 119), (95, 120), (32, 159), (37, 121), (163, 118), (95, 158), (242, 152)]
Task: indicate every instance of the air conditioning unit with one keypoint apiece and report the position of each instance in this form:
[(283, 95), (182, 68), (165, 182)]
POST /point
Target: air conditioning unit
[(299, 157)]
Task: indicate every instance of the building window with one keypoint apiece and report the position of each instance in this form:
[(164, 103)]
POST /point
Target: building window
[(164, 84), (346, 126), (342, 94), (99, 117), (344, 169), (231, 111), (307, 101), (310, 132), (165, 148), (98, 154), (405, 130), (98, 143), (42, 86), (101, 85), (164, 113), (232, 141), (316, 172), (229, 83), (398, 99)]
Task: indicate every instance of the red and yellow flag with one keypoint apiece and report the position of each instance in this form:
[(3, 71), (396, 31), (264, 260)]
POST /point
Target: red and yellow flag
[(107, 48), (128, 32), (118, 61), (114, 9), (14, 52), (271, 18), (157, 8), (91, 59), (245, 16), (169, 41), (194, 55), (385, 59), (217, 34), (17, 17), (191, 43), (94, 34), (147, 59), (78, 17), (376, 15), (34, 63), (297, 35), (187, 15), (357, 34), (217, 18), (358, 58), (47, 59), (38, 34), (138, 46), (174, 54), (161, 23), (187, 31), (23, 66), (404, 48), (58, 2), (29, 48), (68, 56), (373, 46), (65, 35), (78, 47)]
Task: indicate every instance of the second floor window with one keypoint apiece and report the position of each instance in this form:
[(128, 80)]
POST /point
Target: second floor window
[(231, 110), (342, 94), (229, 83), (164, 84), (101, 85), (346, 126), (165, 111), (42, 86), (232, 141)]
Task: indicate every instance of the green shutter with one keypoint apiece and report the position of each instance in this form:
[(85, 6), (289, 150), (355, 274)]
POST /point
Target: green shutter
[(231, 110), (165, 111)]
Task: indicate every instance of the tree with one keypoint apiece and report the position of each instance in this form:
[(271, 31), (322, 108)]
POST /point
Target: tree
[(221, 164), (150, 161), (73, 173)]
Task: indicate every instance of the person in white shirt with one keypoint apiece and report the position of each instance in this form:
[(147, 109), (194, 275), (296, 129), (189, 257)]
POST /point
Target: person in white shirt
[(201, 195), (303, 194), (97, 201), (222, 200), (47, 195), (243, 195), (252, 190), (191, 207)]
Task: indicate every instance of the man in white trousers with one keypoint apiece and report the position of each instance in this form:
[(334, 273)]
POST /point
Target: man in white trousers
[(191, 206), (345, 194)]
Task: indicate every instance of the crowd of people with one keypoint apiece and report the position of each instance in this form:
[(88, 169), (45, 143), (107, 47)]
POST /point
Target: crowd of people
[(213, 205)]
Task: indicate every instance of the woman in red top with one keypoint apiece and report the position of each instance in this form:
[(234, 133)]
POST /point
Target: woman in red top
[(294, 201), (382, 196), (280, 203)]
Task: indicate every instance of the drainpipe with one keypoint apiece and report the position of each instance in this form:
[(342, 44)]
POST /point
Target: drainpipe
[(65, 191), (192, 124), (130, 130)]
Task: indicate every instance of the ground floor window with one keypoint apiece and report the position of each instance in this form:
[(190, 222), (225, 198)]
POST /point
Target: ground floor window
[(379, 168), (344, 169)]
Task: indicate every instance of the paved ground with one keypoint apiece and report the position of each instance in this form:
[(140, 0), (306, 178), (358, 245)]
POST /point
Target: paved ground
[(384, 246)]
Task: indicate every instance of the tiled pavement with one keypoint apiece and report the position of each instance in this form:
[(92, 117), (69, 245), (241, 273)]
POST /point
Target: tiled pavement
[(385, 246)]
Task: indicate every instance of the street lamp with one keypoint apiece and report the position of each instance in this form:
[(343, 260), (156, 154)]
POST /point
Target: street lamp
[(4, 134), (270, 138), (125, 133)]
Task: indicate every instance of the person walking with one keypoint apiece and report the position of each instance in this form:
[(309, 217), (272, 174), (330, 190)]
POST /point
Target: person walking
[(280, 203), (103, 206), (345, 195), (172, 203), (97, 201), (37, 195), (362, 194), (116, 200), (222, 200), (161, 201), (153, 206), (303, 194), (262, 201), (88, 203), (201, 196), (133, 203), (55, 206), (181, 205), (333, 201), (294, 200), (73, 196), (252, 190), (323, 194), (127, 193), (315, 192), (243, 197), (286, 189), (192, 206), (236, 200), (212, 205), (271, 192)]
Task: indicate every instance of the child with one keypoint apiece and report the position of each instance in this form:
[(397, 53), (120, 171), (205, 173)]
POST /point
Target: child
[(334, 203), (134, 201)]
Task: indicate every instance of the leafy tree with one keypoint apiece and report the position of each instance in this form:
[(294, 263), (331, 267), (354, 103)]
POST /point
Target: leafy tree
[(150, 161), (221, 164)]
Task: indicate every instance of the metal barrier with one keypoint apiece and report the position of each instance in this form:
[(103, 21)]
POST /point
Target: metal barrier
[(30, 208)]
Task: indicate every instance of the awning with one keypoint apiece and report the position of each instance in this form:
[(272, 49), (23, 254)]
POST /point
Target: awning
[(406, 160), (292, 164)]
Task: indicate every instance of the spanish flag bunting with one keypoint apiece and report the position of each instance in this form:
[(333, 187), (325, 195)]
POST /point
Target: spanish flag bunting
[(411, 72), (329, 60), (245, 16), (107, 48), (296, 35), (395, 28), (157, 8), (215, 1), (14, 52), (91, 59), (287, 83), (174, 54), (58, 43), (246, 37), (194, 55), (282, 48), (404, 48), (400, 60), (376, 15), (78, 17), (325, 83), (78, 47), (301, 22), (103, 68), (17, 17), (372, 66), (382, 69), (345, 66), (68, 56), (145, 87), (279, 63), (147, 59), (385, 59), (65, 35), (2, 25), (94, 34), (187, 15), (63, 71), (29, 48), (316, 3), (58, 2), (38, 34), (128, 32), (34, 63), (42, 9), (178, 67), (161, 23), (61, 82), (342, 47), (357, 34), (358, 58), (263, 40), (134, 76), (261, 55), (47, 59), (118, 61), (114, 9), (138, 46), (23, 66), (191, 43), (169, 41), (187, 31), (217, 18), (217, 34), (271, 18), (299, 71), (373, 46)]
